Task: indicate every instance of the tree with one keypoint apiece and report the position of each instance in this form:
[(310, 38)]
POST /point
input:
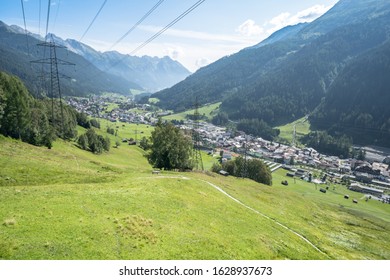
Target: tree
[(106, 143), (95, 123), (94, 144), (221, 118), (110, 130), (256, 170), (39, 132), (259, 172), (34, 121), (83, 142), (170, 148), (16, 107), (82, 120), (144, 143), (2, 104)]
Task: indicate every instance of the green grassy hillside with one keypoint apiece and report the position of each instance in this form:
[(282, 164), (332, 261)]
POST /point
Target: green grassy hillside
[(66, 203), (208, 111), (302, 128)]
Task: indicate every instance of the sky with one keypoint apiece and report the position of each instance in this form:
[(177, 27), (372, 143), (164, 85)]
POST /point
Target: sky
[(214, 29)]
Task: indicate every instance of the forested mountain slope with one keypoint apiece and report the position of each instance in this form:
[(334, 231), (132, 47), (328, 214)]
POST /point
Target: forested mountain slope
[(357, 103)]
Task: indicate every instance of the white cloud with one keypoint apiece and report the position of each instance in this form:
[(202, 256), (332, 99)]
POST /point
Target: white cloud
[(281, 19), (307, 15), (201, 62), (250, 28), (312, 13), (189, 34), (175, 52)]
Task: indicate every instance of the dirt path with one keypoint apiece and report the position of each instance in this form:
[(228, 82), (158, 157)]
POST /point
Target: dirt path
[(267, 217), (250, 208)]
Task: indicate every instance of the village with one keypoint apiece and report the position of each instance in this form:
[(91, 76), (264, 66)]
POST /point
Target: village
[(370, 176)]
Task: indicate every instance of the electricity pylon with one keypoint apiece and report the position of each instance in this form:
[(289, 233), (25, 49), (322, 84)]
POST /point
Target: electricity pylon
[(53, 61), (196, 139)]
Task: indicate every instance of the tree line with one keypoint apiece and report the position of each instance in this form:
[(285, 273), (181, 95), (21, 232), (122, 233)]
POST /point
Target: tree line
[(41, 121), (35, 121)]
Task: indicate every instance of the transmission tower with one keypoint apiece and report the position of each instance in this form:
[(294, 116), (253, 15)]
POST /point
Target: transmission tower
[(55, 89), (294, 135), (197, 156), (244, 170)]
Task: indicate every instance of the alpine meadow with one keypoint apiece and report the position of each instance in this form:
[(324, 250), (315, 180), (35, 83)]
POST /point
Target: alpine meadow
[(197, 138)]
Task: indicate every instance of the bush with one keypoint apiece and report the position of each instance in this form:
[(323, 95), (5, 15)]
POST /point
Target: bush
[(110, 130), (255, 170), (216, 167), (95, 123), (94, 142)]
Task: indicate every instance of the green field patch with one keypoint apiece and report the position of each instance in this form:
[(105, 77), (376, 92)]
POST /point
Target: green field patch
[(153, 100), (302, 128), (207, 112)]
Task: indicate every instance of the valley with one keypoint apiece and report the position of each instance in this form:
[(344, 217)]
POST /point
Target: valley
[(113, 207), (276, 150)]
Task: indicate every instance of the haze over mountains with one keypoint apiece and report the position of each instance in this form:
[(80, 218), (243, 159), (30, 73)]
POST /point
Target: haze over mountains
[(151, 73), (94, 72), (298, 68)]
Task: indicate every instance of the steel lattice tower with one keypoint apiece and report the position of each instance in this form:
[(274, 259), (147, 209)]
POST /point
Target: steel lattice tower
[(55, 89), (196, 155), (244, 170)]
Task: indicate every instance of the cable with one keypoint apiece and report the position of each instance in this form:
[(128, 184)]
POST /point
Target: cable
[(39, 25), (55, 19), (105, 71), (189, 10), (97, 14), (47, 19), (137, 24), (25, 26)]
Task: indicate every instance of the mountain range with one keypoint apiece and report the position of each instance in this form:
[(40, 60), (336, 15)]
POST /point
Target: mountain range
[(151, 73), (94, 72), (302, 70)]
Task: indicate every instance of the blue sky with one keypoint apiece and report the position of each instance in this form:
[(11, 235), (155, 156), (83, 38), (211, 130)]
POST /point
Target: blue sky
[(214, 29)]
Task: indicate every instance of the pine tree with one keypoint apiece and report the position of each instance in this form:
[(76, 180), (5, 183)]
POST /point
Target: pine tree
[(2, 104), (16, 107)]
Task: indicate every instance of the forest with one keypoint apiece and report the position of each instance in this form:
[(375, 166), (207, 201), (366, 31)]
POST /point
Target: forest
[(35, 121)]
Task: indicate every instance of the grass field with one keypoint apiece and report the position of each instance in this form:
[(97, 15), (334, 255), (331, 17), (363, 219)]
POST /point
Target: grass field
[(302, 127), (66, 203), (208, 111)]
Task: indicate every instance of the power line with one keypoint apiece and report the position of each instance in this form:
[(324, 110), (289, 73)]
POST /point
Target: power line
[(130, 30), (90, 25), (177, 19), (57, 12), (189, 10), (25, 26), (39, 25), (137, 24), (48, 18)]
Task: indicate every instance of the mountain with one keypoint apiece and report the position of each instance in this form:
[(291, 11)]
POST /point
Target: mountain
[(151, 73), (282, 34), (94, 71), (357, 104), (287, 75), (17, 51)]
